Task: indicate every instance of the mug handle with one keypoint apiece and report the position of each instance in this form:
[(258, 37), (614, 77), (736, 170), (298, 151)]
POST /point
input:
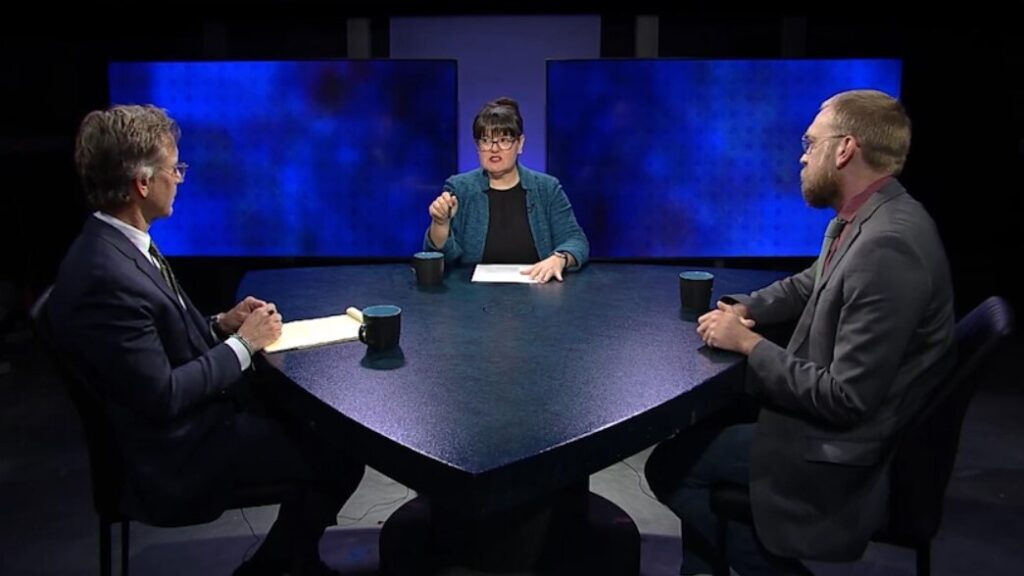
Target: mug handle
[(362, 334)]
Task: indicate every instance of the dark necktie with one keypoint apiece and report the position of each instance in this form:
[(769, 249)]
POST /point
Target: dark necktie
[(835, 226), (165, 270)]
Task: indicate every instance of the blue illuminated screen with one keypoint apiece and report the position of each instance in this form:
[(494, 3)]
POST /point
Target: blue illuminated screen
[(694, 158), (325, 158)]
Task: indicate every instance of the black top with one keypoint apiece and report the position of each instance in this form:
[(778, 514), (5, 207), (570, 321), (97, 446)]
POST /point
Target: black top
[(509, 240), (502, 392)]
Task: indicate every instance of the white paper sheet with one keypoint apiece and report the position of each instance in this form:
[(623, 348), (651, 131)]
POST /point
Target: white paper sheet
[(502, 273)]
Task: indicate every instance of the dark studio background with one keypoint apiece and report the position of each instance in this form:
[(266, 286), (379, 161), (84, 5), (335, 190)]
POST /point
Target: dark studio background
[(962, 84)]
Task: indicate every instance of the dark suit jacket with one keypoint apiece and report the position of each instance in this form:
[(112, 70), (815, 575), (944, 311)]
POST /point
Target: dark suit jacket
[(871, 342), (165, 380)]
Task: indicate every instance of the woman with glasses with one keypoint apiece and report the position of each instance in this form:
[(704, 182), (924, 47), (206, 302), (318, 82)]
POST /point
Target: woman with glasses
[(504, 212)]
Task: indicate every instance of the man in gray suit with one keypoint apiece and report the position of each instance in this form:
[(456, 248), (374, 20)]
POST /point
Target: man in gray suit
[(873, 337)]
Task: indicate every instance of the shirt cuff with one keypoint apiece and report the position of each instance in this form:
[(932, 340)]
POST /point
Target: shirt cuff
[(241, 352)]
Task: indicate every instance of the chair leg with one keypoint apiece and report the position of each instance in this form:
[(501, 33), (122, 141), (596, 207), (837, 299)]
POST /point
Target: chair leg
[(924, 559), (721, 567), (104, 547), (126, 526)]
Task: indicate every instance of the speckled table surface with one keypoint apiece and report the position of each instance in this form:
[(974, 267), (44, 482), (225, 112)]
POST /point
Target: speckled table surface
[(501, 393)]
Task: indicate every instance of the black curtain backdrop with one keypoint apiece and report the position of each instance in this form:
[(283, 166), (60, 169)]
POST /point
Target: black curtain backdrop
[(962, 85)]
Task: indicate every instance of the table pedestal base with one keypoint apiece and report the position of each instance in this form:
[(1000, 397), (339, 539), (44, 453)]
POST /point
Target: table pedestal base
[(573, 532)]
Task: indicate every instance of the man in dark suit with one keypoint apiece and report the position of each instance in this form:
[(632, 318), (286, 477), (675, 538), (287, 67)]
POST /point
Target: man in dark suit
[(177, 386), (874, 330)]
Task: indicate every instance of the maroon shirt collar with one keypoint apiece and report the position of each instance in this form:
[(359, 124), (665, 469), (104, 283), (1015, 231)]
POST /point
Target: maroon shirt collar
[(850, 208)]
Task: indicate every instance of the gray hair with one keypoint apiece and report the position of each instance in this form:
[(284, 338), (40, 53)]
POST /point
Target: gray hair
[(116, 146)]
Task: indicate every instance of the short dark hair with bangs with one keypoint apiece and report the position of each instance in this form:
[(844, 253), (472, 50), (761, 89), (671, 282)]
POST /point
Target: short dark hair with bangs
[(499, 117)]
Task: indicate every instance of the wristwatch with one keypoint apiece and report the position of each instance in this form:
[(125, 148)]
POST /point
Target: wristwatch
[(564, 256), (214, 322)]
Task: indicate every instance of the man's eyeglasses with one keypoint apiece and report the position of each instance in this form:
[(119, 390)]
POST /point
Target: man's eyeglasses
[(178, 170), (503, 142), (807, 143)]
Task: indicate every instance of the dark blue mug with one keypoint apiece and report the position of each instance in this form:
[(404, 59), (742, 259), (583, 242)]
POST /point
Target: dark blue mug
[(381, 328), (695, 293), (428, 267)]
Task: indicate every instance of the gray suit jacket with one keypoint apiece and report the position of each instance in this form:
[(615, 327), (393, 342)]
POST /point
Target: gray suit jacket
[(871, 343)]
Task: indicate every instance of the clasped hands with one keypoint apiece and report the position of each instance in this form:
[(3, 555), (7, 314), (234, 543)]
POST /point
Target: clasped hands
[(728, 328), (258, 322)]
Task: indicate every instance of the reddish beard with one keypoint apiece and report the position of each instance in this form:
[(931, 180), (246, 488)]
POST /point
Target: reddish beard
[(820, 187)]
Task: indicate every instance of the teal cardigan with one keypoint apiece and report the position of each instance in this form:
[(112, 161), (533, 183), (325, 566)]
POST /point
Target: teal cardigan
[(552, 221)]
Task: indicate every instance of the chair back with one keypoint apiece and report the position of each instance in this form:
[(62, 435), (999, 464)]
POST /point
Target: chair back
[(924, 458), (106, 469)]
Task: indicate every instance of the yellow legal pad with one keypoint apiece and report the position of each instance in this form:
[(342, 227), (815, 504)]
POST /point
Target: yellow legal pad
[(317, 331)]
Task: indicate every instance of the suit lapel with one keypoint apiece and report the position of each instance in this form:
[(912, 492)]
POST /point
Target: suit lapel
[(147, 269), (131, 252), (803, 327), (887, 193)]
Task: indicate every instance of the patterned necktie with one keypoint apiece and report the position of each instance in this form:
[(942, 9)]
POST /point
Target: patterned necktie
[(835, 226), (165, 270)]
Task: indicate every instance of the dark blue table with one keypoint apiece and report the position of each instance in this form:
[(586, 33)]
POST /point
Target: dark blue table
[(504, 393)]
